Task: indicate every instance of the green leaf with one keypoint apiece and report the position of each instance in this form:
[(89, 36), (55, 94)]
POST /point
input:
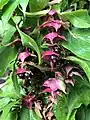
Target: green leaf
[(15, 83), (36, 14), (12, 116), (7, 55), (3, 2), (78, 42), (72, 117), (26, 114), (83, 113), (8, 33), (16, 19), (9, 90), (29, 42), (66, 108), (37, 5), (1, 31), (79, 18), (4, 102), (87, 116), (7, 109), (80, 115), (84, 64), (24, 4), (63, 4), (9, 11), (61, 110), (33, 115)]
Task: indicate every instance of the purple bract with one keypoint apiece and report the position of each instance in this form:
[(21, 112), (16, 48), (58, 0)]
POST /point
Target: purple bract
[(56, 24), (23, 55), (52, 12), (21, 71), (53, 37), (53, 84), (47, 55)]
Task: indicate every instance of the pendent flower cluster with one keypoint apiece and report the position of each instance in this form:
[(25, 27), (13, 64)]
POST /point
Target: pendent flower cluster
[(53, 62), (52, 38)]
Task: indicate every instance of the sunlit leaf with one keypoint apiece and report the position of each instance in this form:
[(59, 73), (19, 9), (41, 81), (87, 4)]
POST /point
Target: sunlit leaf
[(15, 83), (3, 2), (8, 12), (24, 4), (12, 116), (29, 42), (9, 31), (26, 114), (4, 102), (7, 109), (33, 115), (7, 55), (9, 90), (37, 5), (79, 18), (78, 42)]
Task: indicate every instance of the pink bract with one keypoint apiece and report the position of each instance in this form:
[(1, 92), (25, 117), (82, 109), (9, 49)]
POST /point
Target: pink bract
[(53, 84), (70, 71), (20, 71), (23, 55), (52, 23), (46, 56), (70, 81), (51, 36), (52, 12)]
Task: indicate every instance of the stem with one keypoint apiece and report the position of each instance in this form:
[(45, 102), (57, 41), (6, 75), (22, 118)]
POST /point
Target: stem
[(42, 68)]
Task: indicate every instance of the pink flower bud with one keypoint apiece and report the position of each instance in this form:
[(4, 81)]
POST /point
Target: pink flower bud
[(23, 55)]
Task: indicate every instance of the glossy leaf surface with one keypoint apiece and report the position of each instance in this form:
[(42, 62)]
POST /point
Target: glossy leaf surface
[(79, 18), (7, 55), (29, 42), (37, 5), (78, 42)]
